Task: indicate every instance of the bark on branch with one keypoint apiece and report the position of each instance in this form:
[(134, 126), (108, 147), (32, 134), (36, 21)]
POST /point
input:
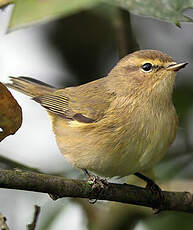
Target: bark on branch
[(125, 193)]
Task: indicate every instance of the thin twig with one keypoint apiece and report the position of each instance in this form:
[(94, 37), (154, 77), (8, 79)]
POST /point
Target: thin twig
[(33, 225), (10, 164)]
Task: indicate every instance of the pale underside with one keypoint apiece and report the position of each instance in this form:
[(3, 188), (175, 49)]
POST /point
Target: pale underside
[(114, 148)]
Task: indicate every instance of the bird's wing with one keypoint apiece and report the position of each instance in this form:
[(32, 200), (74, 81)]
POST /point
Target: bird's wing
[(86, 103)]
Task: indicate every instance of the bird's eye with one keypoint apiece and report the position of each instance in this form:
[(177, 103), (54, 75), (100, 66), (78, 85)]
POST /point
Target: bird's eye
[(147, 67)]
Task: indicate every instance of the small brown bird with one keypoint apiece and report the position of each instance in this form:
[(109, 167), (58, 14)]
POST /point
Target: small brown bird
[(118, 125)]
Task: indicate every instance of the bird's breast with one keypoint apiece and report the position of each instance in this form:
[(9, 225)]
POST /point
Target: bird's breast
[(117, 146), (148, 136)]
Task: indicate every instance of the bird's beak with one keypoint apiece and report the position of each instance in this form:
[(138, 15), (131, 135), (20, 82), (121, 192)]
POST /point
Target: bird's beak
[(176, 67)]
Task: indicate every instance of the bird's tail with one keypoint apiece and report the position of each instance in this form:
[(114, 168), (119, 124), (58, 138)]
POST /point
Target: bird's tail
[(30, 86)]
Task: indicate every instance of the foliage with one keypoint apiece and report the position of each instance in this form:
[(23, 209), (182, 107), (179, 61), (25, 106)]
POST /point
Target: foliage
[(10, 113), (32, 11)]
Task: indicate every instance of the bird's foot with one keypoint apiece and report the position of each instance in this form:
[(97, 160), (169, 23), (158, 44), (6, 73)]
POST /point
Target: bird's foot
[(155, 190), (97, 184)]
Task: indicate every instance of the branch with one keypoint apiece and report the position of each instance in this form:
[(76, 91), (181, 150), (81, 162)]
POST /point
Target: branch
[(125, 193), (125, 38)]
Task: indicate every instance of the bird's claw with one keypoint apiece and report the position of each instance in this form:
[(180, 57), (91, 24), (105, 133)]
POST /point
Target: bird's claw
[(158, 193), (97, 185), (96, 181)]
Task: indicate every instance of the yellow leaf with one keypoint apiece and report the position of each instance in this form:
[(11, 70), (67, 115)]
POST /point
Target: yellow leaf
[(10, 113)]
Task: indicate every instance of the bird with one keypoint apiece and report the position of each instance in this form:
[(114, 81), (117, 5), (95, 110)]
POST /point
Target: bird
[(118, 125)]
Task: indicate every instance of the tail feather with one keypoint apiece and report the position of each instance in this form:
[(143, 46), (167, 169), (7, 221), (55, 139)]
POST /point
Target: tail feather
[(30, 86)]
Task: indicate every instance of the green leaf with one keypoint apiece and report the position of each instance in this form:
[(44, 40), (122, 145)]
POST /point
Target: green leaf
[(27, 12), (168, 10)]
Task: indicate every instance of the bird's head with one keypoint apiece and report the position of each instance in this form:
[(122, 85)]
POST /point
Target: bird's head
[(146, 70)]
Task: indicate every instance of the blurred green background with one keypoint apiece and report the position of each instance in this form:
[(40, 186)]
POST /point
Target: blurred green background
[(73, 42)]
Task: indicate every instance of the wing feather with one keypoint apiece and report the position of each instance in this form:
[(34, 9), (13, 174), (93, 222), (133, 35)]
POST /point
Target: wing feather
[(86, 103)]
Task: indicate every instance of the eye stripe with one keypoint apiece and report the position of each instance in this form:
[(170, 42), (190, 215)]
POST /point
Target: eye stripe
[(157, 67)]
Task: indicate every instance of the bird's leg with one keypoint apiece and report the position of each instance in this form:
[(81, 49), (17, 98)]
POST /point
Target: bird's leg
[(93, 179), (154, 188), (97, 184), (150, 183)]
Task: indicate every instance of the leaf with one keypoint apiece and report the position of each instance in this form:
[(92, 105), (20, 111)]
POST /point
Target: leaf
[(31, 11), (28, 12), (168, 10), (10, 113)]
